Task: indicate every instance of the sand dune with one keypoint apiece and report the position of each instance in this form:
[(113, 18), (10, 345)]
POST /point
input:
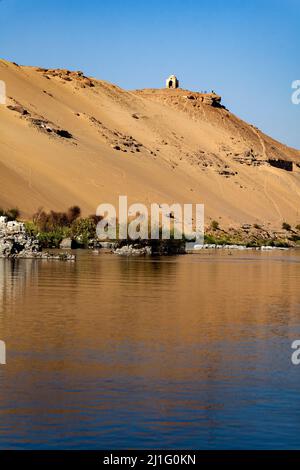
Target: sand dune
[(67, 139)]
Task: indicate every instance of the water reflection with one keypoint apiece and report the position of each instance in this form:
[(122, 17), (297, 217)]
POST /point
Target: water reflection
[(189, 352)]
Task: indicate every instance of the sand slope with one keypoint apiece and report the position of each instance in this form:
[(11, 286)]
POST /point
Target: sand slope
[(152, 145)]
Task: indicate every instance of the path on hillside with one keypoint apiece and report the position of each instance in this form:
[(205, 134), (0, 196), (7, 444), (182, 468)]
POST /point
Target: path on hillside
[(265, 157)]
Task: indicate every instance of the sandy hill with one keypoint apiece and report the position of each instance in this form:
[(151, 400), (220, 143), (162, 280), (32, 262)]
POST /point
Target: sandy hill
[(67, 139)]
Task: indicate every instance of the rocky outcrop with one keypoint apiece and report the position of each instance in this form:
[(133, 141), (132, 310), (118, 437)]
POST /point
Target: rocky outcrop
[(67, 244), (158, 247), (282, 164), (212, 246), (38, 122), (107, 245), (250, 158), (211, 99), (117, 140), (18, 109), (133, 250), (15, 243), (50, 128), (78, 77)]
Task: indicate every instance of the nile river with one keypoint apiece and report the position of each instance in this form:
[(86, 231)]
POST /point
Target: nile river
[(190, 352)]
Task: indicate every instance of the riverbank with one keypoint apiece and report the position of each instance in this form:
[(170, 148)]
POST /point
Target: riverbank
[(16, 243), (68, 231)]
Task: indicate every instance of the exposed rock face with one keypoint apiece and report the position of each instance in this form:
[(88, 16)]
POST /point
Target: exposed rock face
[(67, 244), (133, 250), (151, 247), (18, 109), (16, 243), (211, 99), (118, 140), (283, 164), (48, 127), (107, 245), (250, 158), (78, 78), (212, 246), (190, 99), (38, 122)]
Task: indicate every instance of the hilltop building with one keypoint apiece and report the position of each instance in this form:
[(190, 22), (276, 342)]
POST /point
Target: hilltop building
[(172, 82)]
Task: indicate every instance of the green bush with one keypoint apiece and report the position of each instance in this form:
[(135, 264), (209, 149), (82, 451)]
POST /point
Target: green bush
[(83, 230), (281, 244), (52, 227), (294, 238), (277, 243), (53, 239), (11, 214), (215, 225), (52, 221), (31, 229), (47, 239), (211, 240), (286, 226)]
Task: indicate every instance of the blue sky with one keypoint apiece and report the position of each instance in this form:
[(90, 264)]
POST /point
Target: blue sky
[(246, 50)]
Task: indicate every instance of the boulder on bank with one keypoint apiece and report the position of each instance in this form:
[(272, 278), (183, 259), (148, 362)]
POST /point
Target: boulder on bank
[(107, 245), (67, 244), (15, 243), (133, 250), (150, 247), (213, 246)]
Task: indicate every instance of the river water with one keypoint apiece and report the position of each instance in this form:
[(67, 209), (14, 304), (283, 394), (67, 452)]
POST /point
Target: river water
[(190, 352)]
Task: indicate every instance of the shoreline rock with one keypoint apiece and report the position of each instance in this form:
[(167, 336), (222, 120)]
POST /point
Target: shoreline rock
[(235, 247), (67, 244), (15, 243), (133, 250)]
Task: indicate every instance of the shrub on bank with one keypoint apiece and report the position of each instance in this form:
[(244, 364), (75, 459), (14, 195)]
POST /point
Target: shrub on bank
[(278, 243), (286, 226), (11, 214), (47, 239), (50, 228), (83, 230), (53, 239), (52, 221), (215, 225), (213, 240)]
